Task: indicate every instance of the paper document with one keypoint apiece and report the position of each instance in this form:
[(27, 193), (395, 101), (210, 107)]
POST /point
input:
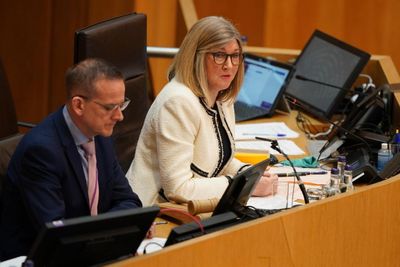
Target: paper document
[(272, 130), (258, 146), (18, 261), (288, 191)]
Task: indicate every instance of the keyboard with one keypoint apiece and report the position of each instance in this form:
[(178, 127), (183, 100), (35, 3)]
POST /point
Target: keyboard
[(251, 213), (266, 212)]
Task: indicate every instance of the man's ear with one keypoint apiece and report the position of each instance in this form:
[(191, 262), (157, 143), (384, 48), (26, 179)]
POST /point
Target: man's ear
[(78, 105)]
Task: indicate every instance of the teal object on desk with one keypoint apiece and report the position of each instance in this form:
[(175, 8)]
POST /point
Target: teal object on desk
[(307, 162)]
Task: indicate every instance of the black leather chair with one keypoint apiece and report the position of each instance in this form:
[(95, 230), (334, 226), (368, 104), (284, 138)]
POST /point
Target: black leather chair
[(122, 42), (9, 132), (7, 147), (8, 116)]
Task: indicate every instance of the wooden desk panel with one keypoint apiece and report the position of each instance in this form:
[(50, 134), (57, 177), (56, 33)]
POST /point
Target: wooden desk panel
[(353, 229)]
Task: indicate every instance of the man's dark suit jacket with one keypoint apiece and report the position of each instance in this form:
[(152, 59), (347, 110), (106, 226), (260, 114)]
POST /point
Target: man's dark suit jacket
[(46, 182)]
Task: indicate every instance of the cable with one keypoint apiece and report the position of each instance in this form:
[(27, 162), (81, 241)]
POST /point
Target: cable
[(275, 146), (304, 124), (294, 102), (369, 84), (194, 218), (151, 243), (348, 132)]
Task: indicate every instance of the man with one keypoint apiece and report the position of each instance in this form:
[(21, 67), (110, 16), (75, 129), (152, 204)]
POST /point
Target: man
[(51, 176)]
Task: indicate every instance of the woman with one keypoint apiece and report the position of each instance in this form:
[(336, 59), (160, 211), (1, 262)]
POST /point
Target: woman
[(186, 147)]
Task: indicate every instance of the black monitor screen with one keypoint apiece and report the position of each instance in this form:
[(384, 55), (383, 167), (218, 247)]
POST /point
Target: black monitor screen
[(90, 240), (325, 65), (240, 189)]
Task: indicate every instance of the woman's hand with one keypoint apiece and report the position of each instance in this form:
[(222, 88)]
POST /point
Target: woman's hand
[(267, 185), (150, 234)]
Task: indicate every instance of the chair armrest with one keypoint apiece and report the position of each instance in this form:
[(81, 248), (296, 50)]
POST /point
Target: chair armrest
[(25, 124)]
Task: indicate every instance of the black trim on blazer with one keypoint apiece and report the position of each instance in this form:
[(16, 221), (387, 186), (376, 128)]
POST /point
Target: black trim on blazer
[(198, 170)]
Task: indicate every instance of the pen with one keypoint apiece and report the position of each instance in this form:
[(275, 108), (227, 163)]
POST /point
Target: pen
[(300, 173), (270, 135)]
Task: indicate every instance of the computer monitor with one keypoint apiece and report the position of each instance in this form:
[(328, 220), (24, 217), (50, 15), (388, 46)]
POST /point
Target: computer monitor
[(240, 189), (263, 86), (324, 72), (90, 240)]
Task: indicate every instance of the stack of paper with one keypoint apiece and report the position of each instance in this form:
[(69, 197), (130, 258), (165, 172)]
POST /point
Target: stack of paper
[(287, 146), (246, 134), (272, 130)]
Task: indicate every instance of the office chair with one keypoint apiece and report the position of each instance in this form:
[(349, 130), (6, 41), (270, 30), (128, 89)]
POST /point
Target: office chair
[(122, 42), (8, 116), (7, 148), (9, 132)]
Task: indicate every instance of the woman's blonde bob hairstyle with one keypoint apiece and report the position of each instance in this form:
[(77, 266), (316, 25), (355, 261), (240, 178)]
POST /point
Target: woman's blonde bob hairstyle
[(188, 66)]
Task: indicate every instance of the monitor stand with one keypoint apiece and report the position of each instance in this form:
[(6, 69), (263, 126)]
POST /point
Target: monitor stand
[(283, 106)]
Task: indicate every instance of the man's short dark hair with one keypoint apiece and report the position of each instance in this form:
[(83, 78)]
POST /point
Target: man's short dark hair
[(81, 78)]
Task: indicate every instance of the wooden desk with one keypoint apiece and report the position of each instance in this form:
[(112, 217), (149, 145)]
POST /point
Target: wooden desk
[(163, 229), (353, 229)]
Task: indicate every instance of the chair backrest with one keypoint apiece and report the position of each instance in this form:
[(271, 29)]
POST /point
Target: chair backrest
[(8, 116), (7, 147), (122, 42)]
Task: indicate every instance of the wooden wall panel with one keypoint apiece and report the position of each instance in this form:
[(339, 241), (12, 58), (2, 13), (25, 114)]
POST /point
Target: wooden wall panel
[(369, 25), (162, 19), (67, 17), (248, 16), (24, 50), (37, 36)]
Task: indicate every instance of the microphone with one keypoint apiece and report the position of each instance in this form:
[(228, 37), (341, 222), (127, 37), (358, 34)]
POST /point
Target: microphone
[(353, 99), (303, 78), (275, 146), (337, 126)]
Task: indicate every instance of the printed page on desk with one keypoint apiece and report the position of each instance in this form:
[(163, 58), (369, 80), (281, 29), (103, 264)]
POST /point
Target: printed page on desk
[(271, 130), (289, 193), (258, 146)]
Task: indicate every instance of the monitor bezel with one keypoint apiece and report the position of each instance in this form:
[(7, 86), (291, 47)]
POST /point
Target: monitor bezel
[(240, 189), (306, 104), (55, 237), (191, 230)]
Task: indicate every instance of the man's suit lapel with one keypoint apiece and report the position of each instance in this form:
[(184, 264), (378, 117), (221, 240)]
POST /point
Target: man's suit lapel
[(71, 151)]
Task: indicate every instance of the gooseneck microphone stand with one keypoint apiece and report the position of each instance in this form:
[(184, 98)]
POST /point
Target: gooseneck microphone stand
[(275, 146), (337, 126)]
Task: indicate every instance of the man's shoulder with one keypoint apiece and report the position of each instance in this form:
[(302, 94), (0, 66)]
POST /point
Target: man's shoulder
[(43, 134)]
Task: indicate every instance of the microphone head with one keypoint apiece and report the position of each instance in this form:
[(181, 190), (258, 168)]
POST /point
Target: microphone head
[(300, 77)]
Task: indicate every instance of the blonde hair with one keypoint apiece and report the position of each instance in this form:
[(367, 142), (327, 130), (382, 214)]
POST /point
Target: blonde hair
[(188, 65)]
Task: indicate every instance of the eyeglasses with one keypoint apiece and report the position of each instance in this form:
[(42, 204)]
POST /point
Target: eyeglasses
[(221, 57), (109, 107)]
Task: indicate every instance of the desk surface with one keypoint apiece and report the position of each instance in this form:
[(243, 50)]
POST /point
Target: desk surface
[(290, 121)]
